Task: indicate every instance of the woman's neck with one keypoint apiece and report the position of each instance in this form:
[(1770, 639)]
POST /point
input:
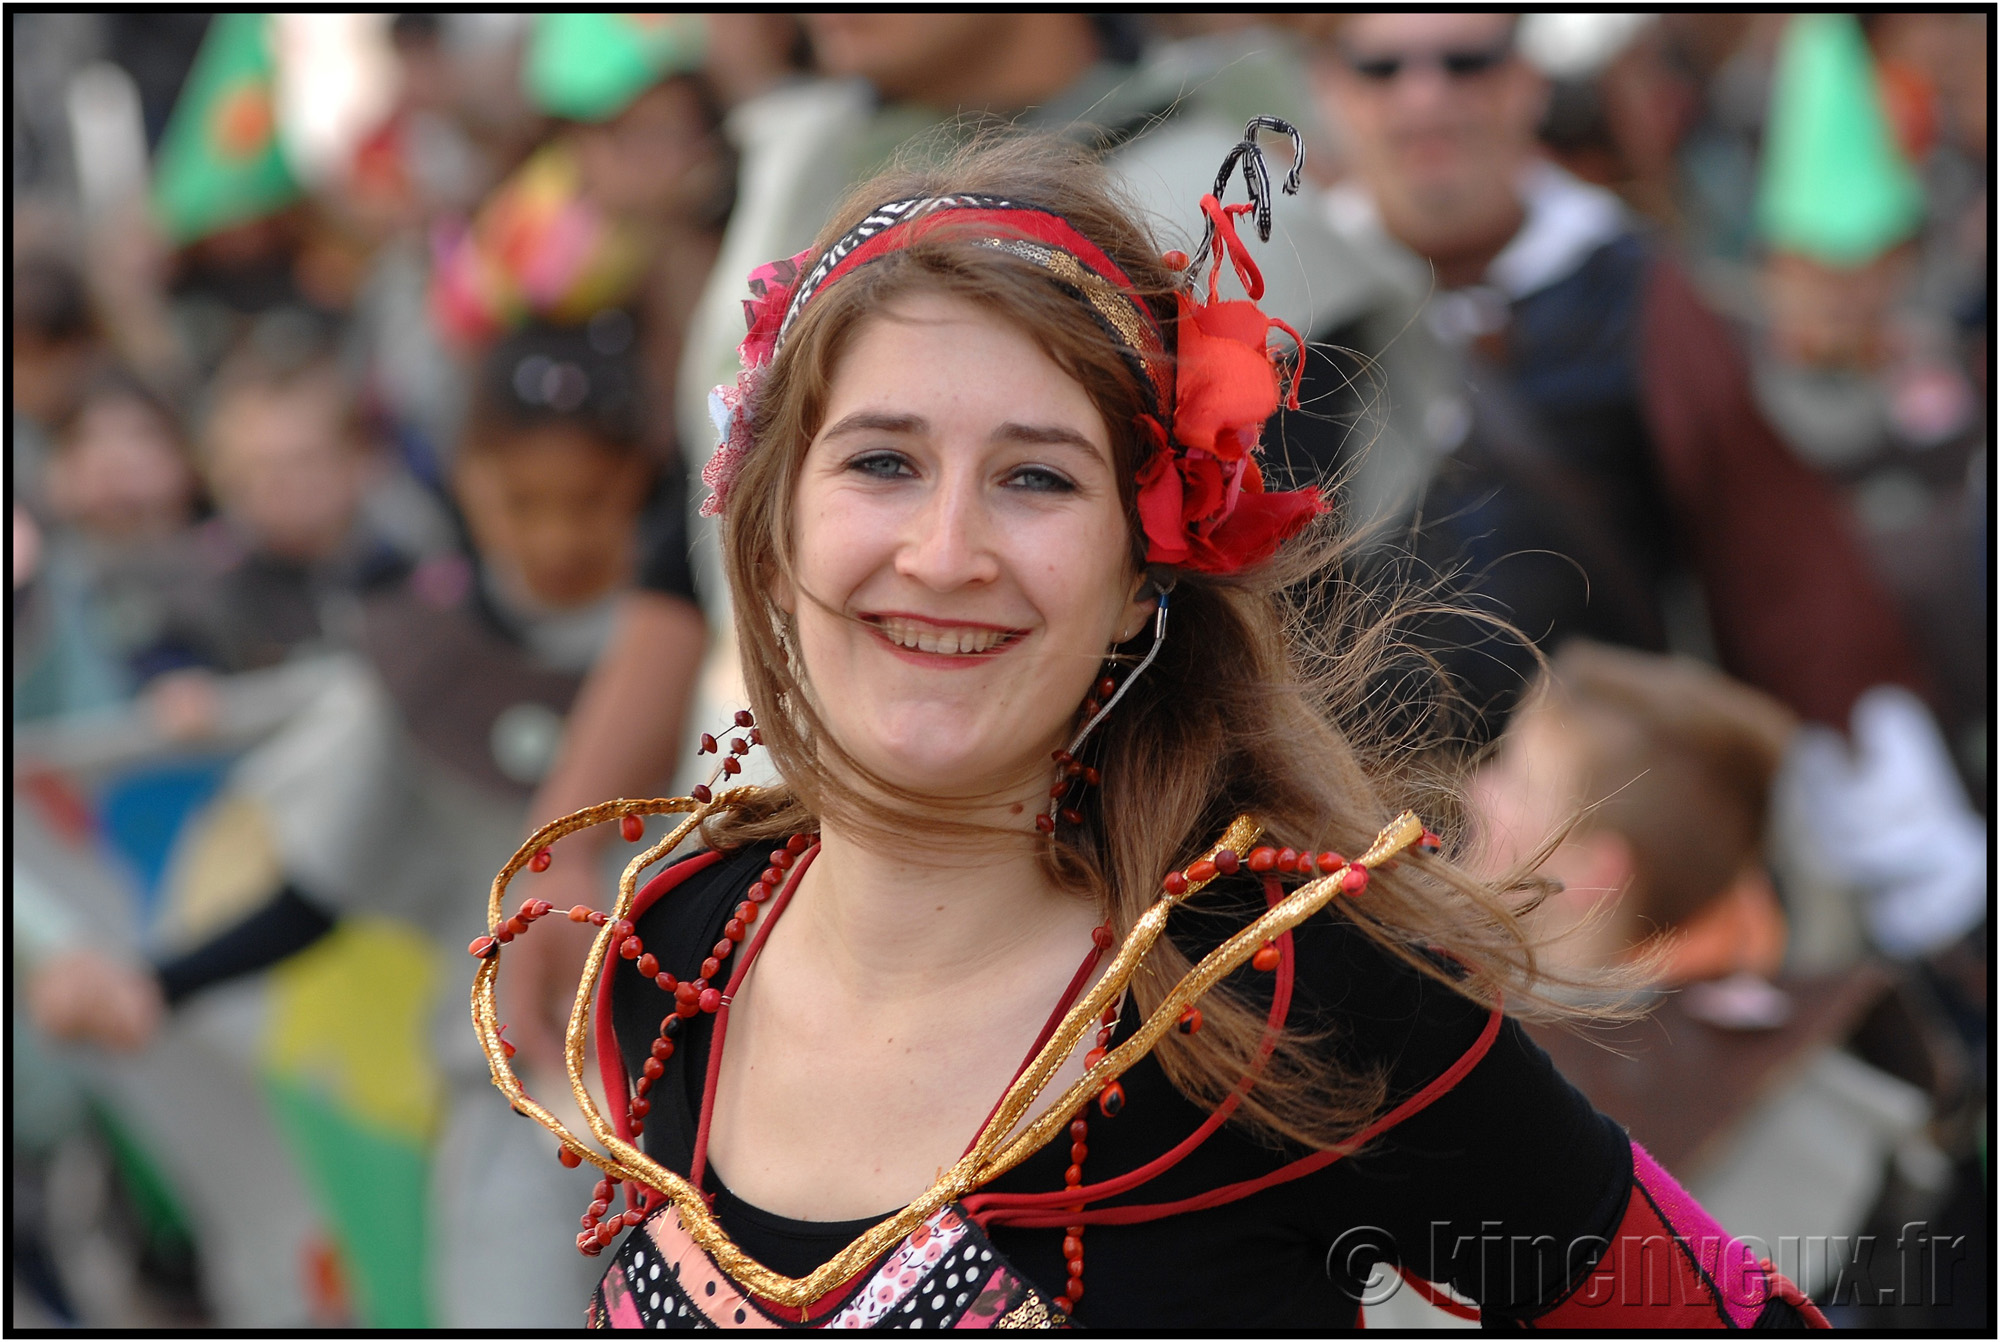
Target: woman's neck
[(905, 922)]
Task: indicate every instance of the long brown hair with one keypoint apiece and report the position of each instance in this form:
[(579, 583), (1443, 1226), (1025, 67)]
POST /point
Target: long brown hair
[(1268, 695)]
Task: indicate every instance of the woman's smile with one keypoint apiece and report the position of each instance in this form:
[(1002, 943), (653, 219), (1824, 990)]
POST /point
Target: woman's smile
[(927, 641)]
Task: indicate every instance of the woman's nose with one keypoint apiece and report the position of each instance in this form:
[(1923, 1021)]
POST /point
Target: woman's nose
[(949, 544)]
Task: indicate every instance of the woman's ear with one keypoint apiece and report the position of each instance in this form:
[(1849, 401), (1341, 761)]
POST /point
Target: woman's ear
[(1139, 607), (1138, 610)]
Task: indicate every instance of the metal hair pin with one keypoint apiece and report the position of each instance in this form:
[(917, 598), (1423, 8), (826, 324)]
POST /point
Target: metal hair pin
[(1257, 173)]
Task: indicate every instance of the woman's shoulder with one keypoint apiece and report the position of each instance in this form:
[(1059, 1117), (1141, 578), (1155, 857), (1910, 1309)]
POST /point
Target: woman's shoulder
[(1363, 998), (691, 896)]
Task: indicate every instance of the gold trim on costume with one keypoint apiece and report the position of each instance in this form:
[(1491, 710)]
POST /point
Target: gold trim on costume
[(991, 1154)]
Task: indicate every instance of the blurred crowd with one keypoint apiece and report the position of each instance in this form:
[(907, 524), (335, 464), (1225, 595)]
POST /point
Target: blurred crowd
[(360, 396)]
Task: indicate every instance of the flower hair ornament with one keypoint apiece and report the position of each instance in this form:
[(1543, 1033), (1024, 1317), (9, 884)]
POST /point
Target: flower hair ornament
[(1212, 380)]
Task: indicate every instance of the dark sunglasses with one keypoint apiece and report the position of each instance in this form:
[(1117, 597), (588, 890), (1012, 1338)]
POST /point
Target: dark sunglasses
[(1383, 68)]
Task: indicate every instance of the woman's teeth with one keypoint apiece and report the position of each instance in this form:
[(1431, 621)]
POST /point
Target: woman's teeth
[(931, 638)]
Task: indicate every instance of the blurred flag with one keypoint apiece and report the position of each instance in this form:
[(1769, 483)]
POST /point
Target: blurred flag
[(336, 83), (347, 1068), (589, 67), (220, 162), (1835, 187)]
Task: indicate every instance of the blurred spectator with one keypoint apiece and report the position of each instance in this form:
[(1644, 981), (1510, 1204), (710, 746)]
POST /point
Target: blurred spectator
[(53, 344), (1643, 455), (279, 567), (624, 203), (1667, 767), (1865, 361), (1838, 199), (119, 474), (1802, 1099), (1621, 97), (118, 491), (551, 477)]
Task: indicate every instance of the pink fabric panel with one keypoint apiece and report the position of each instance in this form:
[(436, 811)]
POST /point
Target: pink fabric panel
[(1727, 1261)]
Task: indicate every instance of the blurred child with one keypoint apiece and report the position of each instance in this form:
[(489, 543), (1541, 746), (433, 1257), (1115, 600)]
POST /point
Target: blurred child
[(550, 477), (1668, 766), (1797, 1105), (116, 491), (119, 474), (278, 569), (53, 346), (400, 790)]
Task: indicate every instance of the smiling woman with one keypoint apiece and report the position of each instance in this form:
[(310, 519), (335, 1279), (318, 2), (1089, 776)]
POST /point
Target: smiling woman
[(1066, 954)]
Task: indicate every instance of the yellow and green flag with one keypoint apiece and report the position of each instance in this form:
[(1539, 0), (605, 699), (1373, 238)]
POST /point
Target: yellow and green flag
[(220, 162)]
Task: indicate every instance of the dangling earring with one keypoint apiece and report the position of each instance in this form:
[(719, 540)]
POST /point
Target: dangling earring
[(1070, 771)]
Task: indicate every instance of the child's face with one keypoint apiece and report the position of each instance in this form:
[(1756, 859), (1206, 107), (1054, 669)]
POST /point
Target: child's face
[(656, 158), (1823, 317), (1532, 785), (558, 508), (284, 469), (118, 473), (1525, 791)]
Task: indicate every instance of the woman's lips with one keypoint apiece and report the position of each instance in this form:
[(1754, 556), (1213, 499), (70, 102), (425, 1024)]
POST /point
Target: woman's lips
[(933, 642)]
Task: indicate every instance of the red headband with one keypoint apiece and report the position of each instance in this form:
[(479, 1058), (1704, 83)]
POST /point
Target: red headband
[(1201, 498)]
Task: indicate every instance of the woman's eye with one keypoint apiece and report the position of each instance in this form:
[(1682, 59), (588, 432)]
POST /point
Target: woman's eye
[(881, 465), (1041, 480)]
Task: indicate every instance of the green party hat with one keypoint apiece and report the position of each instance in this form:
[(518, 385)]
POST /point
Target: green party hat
[(589, 67), (1835, 187), (220, 162)]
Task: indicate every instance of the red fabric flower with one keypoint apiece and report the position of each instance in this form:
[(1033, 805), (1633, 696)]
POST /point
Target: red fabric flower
[(771, 288), (1226, 385), (1202, 502), (1202, 514)]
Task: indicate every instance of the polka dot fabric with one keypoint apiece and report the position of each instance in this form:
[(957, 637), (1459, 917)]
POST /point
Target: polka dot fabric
[(946, 1274)]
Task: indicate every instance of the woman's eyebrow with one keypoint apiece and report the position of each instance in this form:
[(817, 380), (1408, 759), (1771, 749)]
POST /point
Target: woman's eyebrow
[(879, 422), (1044, 434)]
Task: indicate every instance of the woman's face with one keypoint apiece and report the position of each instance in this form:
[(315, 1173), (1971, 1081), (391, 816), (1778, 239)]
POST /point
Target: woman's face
[(962, 552)]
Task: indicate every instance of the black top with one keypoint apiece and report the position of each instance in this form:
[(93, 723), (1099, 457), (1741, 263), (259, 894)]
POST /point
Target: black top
[(1512, 1150)]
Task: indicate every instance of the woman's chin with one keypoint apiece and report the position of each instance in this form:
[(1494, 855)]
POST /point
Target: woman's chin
[(947, 771), (952, 779)]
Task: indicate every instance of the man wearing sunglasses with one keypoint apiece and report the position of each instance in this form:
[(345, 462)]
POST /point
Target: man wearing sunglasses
[(1636, 458), (1438, 113)]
